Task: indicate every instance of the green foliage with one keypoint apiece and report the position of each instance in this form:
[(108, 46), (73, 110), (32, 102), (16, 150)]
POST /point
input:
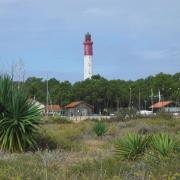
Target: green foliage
[(164, 115), (164, 144), (100, 128), (121, 115), (106, 94), (72, 152), (125, 114), (131, 146), (62, 136), (19, 118), (59, 120)]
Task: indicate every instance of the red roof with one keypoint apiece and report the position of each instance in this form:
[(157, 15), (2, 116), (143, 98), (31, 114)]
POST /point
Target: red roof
[(73, 104), (76, 103), (54, 107), (161, 104)]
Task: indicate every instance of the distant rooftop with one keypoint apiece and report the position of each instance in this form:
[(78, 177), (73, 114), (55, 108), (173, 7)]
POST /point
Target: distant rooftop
[(161, 104)]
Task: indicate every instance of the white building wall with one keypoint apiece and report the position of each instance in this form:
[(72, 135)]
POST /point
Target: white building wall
[(88, 67)]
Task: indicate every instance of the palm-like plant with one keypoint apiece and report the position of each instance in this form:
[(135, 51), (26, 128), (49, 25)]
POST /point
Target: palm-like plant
[(100, 128), (131, 146), (19, 118), (164, 144)]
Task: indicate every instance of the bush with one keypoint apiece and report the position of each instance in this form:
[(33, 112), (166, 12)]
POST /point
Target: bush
[(59, 120), (164, 144), (164, 115), (112, 130), (100, 128), (44, 141), (131, 146), (143, 129), (18, 117), (62, 136), (124, 114)]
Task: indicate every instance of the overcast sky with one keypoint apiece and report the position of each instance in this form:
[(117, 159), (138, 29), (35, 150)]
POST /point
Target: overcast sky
[(132, 38)]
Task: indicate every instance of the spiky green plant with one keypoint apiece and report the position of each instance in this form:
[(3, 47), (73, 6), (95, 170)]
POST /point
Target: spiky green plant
[(19, 118), (164, 144), (131, 146), (100, 128)]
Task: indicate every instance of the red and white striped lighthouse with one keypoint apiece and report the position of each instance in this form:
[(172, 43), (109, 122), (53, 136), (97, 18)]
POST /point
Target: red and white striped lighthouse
[(88, 54)]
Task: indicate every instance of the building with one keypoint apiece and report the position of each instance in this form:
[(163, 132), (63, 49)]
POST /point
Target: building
[(54, 109), (79, 108), (167, 106), (88, 57), (40, 106)]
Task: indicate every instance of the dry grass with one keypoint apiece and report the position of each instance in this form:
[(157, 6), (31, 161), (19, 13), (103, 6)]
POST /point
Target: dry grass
[(78, 153)]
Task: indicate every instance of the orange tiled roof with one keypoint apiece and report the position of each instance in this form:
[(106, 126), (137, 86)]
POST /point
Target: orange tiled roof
[(54, 107), (76, 103), (161, 104), (73, 104)]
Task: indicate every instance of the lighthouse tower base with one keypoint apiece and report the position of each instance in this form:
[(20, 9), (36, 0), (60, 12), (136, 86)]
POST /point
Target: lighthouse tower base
[(87, 67)]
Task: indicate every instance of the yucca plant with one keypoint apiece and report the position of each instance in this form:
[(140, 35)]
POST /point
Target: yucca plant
[(164, 144), (19, 118), (100, 128), (131, 146)]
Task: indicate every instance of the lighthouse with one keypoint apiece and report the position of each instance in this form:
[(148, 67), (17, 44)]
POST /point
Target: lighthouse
[(88, 56)]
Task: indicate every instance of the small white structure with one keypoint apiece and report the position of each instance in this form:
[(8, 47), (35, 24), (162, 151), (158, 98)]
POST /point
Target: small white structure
[(145, 113), (88, 56), (39, 105)]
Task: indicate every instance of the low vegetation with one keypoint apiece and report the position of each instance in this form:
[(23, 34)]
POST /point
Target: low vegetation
[(164, 144), (100, 128), (134, 149), (131, 146)]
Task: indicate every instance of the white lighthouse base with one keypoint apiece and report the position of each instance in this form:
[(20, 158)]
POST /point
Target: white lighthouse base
[(87, 67)]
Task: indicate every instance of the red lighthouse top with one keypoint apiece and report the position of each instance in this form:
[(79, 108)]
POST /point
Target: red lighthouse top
[(88, 49)]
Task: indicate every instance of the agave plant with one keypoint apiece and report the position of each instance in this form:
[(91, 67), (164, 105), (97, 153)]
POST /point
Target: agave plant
[(100, 128), (164, 144), (131, 146), (19, 118)]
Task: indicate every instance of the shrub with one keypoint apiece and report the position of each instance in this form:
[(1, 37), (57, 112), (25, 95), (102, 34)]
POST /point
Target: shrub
[(62, 136), (100, 128), (18, 117), (112, 130), (44, 141), (131, 146), (164, 115), (59, 120), (143, 129), (164, 144)]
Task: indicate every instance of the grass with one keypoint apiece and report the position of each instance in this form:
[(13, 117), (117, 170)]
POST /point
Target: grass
[(73, 151)]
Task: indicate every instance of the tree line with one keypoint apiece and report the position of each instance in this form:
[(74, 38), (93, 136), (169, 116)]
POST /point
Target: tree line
[(106, 94)]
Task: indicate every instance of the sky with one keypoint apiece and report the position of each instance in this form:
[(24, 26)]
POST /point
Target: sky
[(132, 39)]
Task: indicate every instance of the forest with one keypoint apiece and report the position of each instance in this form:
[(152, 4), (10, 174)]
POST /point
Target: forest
[(106, 94)]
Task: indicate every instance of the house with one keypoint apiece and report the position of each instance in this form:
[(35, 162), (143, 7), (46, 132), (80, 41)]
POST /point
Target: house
[(40, 106), (167, 106), (54, 109), (79, 108)]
